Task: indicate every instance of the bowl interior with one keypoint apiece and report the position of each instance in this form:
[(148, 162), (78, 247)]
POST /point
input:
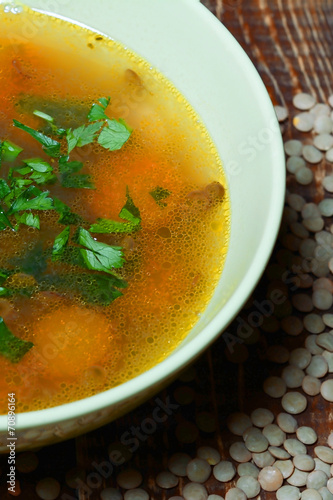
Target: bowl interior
[(183, 40)]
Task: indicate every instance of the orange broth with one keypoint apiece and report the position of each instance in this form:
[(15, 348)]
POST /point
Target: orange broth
[(173, 262)]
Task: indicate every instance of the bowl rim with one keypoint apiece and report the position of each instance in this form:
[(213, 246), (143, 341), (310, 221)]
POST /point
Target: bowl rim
[(209, 334)]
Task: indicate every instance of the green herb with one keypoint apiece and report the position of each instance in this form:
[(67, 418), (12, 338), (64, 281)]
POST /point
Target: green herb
[(129, 212), (28, 219), (38, 165), (67, 217), (12, 347), (82, 136), (69, 167), (50, 146), (4, 189), (44, 116), (160, 194), (60, 242), (97, 111), (43, 178), (26, 202), (99, 256), (33, 262), (77, 181), (9, 151), (114, 135)]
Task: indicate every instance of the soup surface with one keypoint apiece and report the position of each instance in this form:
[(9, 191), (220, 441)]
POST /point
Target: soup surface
[(114, 217)]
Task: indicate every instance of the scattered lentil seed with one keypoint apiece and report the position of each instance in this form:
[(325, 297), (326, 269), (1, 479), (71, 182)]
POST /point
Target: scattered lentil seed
[(235, 494), (277, 354), (311, 154), (292, 325), (248, 469), (178, 463), (239, 452), (198, 470), (330, 485), (324, 453), (307, 248), (264, 459), (294, 200), (299, 230), (215, 497), (286, 467), (294, 163), (321, 109), (238, 422), (312, 346), (327, 182), (48, 488), (262, 417), (304, 462), (166, 480), (311, 494), (288, 493), (254, 440), (322, 299), (270, 478), (294, 402), (293, 147), (287, 423), (325, 493), (324, 141), (304, 176), (325, 340), (329, 155), (310, 210), (298, 478), (302, 302), (274, 434), (111, 494), (323, 125), (136, 494), (318, 367), (195, 491), (300, 358), (316, 479), (211, 455), (278, 452), (304, 122), (326, 391), (304, 101), (129, 479), (294, 447), (320, 465), (328, 319), (329, 358), (224, 471), (292, 376), (313, 323), (330, 441), (275, 387), (311, 385), (281, 113), (249, 485)]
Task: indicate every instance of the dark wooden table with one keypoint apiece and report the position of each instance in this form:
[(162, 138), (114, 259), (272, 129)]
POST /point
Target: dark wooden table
[(291, 44)]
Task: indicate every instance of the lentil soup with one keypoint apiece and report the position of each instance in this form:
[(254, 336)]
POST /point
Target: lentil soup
[(114, 214)]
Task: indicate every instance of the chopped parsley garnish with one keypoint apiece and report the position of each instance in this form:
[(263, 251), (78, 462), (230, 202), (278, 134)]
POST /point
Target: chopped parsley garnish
[(50, 146), (12, 347), (159, 194), (129, 213), (22, 198)]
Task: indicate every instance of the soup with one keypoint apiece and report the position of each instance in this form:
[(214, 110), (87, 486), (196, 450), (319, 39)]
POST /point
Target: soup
[(114, 213)]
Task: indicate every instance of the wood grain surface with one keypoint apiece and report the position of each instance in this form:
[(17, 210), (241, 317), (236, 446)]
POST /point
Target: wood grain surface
[(291, 44)]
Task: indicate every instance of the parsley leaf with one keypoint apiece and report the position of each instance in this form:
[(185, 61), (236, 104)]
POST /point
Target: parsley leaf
[(4, 189), (25, 202), (77, 181), (129, 212), (81, 136), (160, 194), (12, 347), (38, 165), (67, 217), (68, 167), (43, 178), (50, 146), (28, 219), (114, 135), (97, 111), (60, 242), (99, 256), (10, 151)]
